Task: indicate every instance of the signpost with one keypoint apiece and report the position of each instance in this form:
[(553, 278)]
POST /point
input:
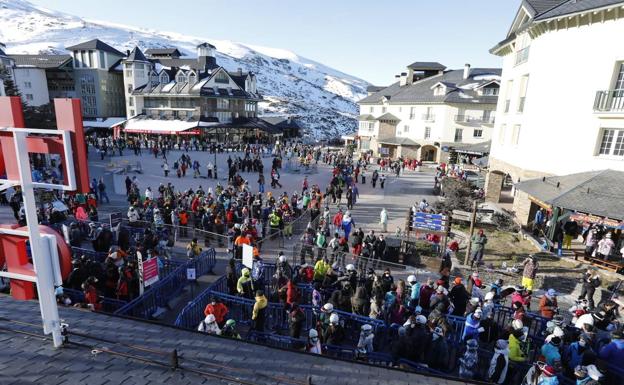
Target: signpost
[(427, 221), (248, 256), (148, 272), (191, 275)]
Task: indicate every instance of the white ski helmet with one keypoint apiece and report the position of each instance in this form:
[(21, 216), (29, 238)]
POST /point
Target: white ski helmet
[(334, 319), (367, 328), (350, 267), (328, 307), (313, 333), (282, 258), (411, 279), (517, 324), (489, 296)]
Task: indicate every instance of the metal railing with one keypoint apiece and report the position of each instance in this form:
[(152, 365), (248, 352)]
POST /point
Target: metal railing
[(474, 119), (109, 305), (609, 101), (165, 290)]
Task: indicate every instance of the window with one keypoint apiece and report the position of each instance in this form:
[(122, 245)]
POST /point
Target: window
[(365, 144), (384, 109), (412, 112), (508, 95), (130, 101), (371, 109), (83, 58), (164, 79), (439, 91), (427, 132), (223, 104), (612, 142), (522, 48), (515, 134), (478, 133), (524, 82), (27, 85), (91, 59), (222, 77), (102, 59), (181, 78), (130, 88), (29, 97), (131, 112), (501, 134), (487, 116), (490, 91), (406, 129), (459, 132)]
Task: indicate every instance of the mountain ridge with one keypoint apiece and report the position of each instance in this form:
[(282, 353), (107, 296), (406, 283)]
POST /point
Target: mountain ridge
[(324, 99)]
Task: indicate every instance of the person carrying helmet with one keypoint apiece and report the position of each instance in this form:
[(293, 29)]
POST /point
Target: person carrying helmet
[(229, 330), (209, 325), (334, 334), (365, 343), (314, 344)]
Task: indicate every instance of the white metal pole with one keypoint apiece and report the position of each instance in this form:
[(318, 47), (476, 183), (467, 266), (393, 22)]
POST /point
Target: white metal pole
[(40, 252)]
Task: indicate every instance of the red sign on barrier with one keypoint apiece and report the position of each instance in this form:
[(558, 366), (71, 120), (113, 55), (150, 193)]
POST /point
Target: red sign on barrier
[(150, 271)]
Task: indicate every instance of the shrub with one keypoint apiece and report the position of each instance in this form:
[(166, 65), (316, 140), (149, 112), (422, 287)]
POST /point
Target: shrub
[(456, 195), (504, 222)]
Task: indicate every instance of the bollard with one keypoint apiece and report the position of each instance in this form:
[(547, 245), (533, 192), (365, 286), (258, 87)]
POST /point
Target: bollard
[(174, 359)]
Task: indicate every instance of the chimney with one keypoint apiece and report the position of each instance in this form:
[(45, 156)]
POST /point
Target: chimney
[(240, 71), (466, 71), (403, 79)]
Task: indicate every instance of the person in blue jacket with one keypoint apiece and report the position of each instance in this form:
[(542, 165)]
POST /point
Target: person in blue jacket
[(472, 328)]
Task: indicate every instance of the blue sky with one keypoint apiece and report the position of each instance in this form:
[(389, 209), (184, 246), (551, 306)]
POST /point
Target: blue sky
[(373, 40)]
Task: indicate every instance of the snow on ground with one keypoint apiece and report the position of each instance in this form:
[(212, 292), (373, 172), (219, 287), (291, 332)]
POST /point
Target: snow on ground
[(324, 98)]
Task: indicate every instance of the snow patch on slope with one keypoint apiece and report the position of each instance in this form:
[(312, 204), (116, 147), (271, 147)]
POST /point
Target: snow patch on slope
[(322, 97)]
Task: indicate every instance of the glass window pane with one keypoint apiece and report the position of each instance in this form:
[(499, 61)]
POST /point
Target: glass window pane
[(619, 144), (607, 140)]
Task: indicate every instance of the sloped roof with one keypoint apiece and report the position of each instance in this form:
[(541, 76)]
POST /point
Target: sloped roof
[(366, 117), (399, 141), (388, 116), (41, 61), (570, 7), (374, 88), (281, 121), (164, 51), (31, 358), (540, 6), (95, 44), (427, 66), (136, 55), (475, 148), (460, 90), (594, 192)]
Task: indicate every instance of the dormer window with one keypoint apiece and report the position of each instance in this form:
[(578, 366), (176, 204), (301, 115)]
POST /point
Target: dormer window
[(181, 78), (222, 77), (439, 91), (490, 91), (192, 78), (164, 78)]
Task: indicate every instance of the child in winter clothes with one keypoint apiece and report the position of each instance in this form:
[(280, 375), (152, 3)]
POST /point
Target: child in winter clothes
[(469, 362)]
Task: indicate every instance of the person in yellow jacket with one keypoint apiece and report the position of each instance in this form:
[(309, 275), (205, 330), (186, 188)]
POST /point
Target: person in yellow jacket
[(320, 269), (244, 285), (258, 315), (515, 346)]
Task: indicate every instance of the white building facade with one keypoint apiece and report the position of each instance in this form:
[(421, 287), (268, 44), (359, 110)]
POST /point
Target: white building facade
[(32, 84), (561, 105), (428, 111)]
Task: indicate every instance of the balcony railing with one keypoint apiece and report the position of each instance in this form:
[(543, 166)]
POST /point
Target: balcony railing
[(428, 118), (609, 101), (474, 119)]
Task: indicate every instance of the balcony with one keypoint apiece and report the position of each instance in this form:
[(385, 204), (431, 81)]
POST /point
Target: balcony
[(611, 101), (474, 119), (428, 118)]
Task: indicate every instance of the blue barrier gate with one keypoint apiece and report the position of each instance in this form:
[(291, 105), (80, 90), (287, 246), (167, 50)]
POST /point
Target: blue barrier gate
[(165, 290)]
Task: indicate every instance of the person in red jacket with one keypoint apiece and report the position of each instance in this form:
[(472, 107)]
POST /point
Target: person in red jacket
[(218, 310), (292, 293), (92, 299)]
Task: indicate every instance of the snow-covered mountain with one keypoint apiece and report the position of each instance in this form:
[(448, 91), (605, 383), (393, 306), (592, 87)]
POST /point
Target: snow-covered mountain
[(322, 97)]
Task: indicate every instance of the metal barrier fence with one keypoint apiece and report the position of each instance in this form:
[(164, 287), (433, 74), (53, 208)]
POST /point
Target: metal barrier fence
[(302, 253), (109, 305), (165, 290)]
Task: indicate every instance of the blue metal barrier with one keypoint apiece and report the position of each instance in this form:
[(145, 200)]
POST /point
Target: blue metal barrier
[(90, 254), (109, 305), (165, 290)]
